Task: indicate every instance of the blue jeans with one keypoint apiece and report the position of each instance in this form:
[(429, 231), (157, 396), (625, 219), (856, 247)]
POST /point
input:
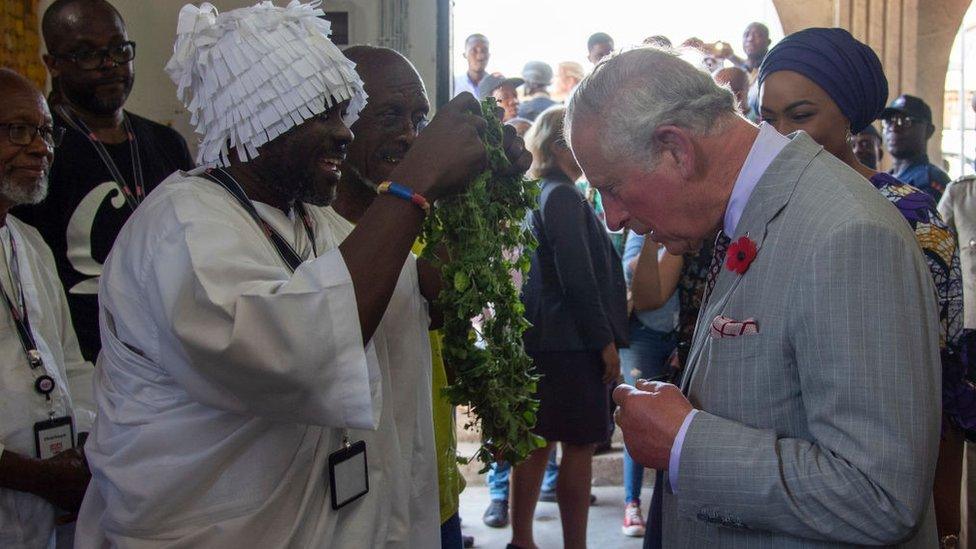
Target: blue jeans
[(451, 533), (646, 358), (498, 478)]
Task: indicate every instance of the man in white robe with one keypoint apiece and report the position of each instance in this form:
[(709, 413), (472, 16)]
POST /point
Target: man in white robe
[(227, 378), (41, 485)]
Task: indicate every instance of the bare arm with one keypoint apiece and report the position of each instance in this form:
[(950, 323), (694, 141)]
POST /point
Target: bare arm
[(654, 281)]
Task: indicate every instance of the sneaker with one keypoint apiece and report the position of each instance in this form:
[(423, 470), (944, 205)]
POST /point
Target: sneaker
[(633, 521), (496, 516), (467, 542), (548, 496)]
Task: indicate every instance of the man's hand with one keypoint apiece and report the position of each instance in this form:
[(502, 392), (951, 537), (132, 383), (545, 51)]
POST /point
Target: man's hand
[(64, 479), (448, 154), (650, 417), (611, 363)]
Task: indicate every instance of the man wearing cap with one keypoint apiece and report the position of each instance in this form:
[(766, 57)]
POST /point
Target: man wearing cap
[(45, 384), (244, 389), (907, 126), (477, 54), (504, 90), (538, 77)]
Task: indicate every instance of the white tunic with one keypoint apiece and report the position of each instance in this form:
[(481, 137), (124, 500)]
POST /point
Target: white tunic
[(27, 520), (225, 381)]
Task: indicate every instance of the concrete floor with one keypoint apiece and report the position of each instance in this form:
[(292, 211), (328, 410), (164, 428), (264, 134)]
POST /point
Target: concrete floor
[(603, 530)]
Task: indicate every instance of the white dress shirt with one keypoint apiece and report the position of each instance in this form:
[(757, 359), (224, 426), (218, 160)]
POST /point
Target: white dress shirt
[(26, 520)]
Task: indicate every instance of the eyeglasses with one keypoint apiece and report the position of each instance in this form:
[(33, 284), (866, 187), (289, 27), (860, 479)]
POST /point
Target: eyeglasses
[(900, 121), (88, 60), (24, 134)]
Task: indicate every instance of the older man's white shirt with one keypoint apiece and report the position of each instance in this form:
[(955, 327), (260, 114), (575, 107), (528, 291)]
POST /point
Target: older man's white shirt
[(27, 520), (226, 381)]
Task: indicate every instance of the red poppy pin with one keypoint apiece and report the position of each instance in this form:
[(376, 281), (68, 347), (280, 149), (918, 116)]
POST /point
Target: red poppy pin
[(740, 255)]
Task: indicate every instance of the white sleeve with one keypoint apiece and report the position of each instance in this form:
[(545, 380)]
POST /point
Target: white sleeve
[(246, 335)]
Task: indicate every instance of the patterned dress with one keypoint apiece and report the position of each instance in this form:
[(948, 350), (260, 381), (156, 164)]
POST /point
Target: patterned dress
[(942, 256), (691, 290)]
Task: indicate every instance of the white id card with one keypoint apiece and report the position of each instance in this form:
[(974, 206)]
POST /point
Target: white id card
[(348, 477), (53, 436)]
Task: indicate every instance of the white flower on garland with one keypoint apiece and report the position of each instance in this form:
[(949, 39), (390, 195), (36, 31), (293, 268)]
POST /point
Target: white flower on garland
[(251, 74)]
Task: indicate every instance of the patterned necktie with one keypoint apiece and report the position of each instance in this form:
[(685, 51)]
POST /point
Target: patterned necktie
[(722, 242)]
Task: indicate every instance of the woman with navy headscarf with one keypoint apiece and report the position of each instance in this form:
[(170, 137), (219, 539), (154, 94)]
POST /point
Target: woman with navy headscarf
[(828, 84)]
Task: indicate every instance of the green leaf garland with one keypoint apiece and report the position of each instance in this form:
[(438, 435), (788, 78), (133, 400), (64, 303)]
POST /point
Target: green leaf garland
[(483, 228)]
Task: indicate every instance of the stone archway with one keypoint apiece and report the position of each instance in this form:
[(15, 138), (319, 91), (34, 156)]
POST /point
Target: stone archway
[(913, 38)]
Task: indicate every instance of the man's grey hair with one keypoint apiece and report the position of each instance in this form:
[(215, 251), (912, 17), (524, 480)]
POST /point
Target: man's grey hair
[(631, 94)]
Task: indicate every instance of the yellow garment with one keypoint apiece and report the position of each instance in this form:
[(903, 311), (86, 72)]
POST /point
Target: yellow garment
[(449, 479)]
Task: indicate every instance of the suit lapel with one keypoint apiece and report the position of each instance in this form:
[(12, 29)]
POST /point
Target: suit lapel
[(772, 193)]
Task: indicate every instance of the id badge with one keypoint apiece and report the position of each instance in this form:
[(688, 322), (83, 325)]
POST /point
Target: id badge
[(53, 436), (348, 477)]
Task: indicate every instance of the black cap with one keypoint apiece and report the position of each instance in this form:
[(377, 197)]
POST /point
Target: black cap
[(908, 105), (492, 82)]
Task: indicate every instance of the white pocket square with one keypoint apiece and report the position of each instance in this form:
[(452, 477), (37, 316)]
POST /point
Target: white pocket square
[(723, 327)]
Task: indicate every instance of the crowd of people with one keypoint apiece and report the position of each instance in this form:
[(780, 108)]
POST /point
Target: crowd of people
[(241, 349)]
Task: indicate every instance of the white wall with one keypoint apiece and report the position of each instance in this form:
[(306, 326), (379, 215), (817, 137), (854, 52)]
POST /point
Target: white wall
[(152, 24)]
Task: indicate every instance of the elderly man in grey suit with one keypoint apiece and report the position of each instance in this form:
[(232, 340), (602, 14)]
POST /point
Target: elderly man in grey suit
[(809, 411)]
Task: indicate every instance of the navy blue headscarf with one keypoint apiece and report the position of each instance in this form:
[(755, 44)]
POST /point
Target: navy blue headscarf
[(848, 70)]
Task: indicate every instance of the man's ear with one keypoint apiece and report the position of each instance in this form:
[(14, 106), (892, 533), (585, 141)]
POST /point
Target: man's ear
[(930, 129), (675, 142)]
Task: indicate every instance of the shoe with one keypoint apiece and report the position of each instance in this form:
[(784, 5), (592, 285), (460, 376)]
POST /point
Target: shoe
[(467, 542), (633, 521), (592, 499), (548, 496), (496, 516)]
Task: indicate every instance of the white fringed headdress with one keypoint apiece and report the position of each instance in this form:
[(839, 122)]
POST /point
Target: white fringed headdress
[(251, 74)]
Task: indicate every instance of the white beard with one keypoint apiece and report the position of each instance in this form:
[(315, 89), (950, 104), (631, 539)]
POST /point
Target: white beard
[(18, 194)]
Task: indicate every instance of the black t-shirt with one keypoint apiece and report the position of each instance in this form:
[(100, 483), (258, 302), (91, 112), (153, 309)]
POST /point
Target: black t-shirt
[(85, 210)]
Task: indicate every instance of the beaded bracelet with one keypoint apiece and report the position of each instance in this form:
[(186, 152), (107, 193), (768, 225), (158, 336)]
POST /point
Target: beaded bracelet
[(404, 192)]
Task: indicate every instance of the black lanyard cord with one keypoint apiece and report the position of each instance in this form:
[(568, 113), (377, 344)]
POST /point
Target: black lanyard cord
[(21, 319), (284, 249), (133, 193)]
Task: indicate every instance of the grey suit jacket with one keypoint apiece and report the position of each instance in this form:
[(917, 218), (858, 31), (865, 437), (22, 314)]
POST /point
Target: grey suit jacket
[(822, 430)]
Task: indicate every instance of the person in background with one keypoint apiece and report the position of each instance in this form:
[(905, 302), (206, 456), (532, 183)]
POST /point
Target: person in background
[(755, 44), (658, 41), (109, 159), (385, 131), (505, 92), (738, 83), (828, 84), (521, 125), (497, 479), (867, 147), (568, 76), (652, 340), (907, 126), (538, 77), (575, 299), (598, 46), (477, 54), (958, 208), (45, 385)]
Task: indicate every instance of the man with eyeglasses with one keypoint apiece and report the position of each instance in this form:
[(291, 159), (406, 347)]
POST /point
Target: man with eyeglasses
[(907, 126), (45, 384), (110, 158)]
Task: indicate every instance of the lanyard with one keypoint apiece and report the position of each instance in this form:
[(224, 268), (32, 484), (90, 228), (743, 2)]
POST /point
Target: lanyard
[(284, 249), (133, 193), (43, 383)]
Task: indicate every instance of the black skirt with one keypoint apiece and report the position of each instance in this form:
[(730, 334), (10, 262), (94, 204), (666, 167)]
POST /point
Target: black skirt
[(574, 402)]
